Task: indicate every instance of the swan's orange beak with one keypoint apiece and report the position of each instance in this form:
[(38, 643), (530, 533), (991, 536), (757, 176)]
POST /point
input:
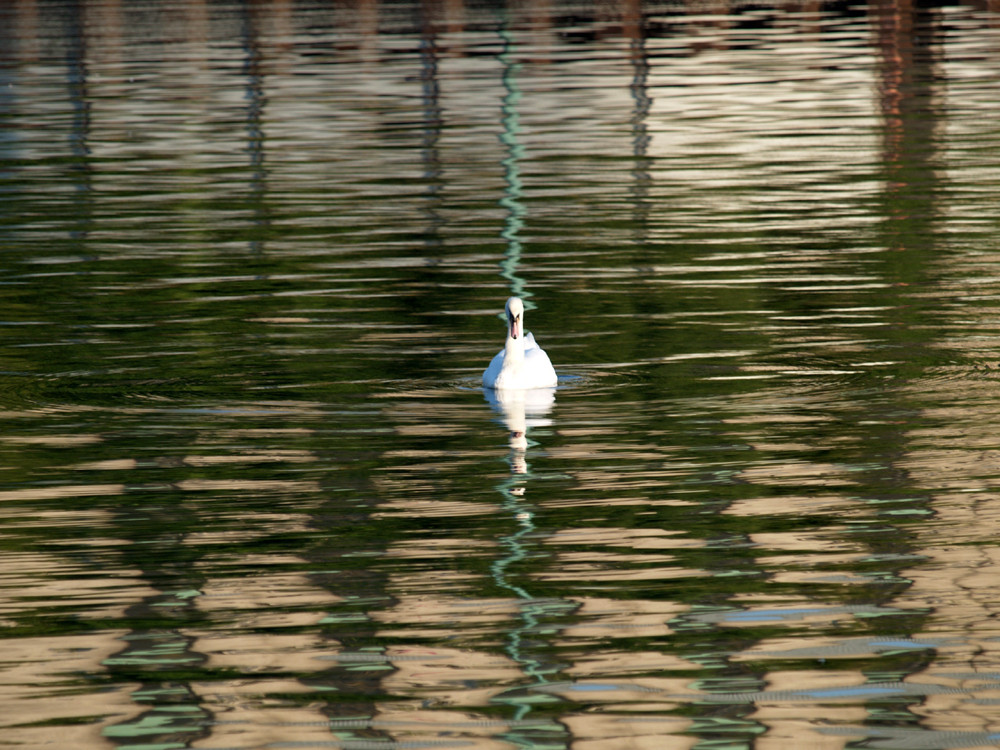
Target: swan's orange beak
[(515, 327)]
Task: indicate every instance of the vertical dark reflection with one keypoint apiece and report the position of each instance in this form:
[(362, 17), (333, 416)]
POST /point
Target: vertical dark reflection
[(156, 649), (430, 94), (867, 423), (510, 137), (634, 31), (906, 79), (80, 173), (348, 539), (256, 99), (908, 47), (915, 186)]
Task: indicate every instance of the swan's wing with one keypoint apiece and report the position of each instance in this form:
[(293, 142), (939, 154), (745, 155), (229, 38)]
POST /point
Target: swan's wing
[(537, 358), (491, 373), (537, 361), (533, 352)]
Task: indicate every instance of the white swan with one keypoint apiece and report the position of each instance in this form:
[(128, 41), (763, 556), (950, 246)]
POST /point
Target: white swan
[(521, 363), (521, 410)]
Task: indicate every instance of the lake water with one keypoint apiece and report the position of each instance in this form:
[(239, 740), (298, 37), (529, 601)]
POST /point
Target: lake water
[(253, 261)]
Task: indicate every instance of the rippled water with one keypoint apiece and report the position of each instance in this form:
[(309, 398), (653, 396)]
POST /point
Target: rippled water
[(252, 264)]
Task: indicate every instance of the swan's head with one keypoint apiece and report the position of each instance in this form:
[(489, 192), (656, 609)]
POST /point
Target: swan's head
[(515, 315)]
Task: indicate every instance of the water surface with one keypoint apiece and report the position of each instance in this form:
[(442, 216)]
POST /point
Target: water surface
[(253, 264)]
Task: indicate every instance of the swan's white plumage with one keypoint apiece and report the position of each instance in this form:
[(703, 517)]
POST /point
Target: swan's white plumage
[(522, 363)]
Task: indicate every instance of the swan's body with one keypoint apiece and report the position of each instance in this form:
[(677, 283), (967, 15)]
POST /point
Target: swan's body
[(521, 363)]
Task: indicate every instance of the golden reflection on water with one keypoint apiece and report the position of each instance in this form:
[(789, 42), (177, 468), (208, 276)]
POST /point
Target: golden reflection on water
[(785, 724), (40, 686), (959, 579), (429, 609), (429, 508), (52, 493), (642, 732), (799, 505), (603, 618), (38, 581), (447, 676), (246, 611), (41, 677), (793, 148), (822, 556)]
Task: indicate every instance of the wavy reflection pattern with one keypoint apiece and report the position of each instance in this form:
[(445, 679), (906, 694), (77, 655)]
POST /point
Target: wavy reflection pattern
[(247, 496), (519, 411)]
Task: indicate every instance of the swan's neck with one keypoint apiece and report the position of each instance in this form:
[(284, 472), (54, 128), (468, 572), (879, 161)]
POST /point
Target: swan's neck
[(514, 349)]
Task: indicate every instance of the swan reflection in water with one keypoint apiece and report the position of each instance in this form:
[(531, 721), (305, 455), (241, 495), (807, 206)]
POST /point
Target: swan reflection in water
[(520, 384), (520, 410)]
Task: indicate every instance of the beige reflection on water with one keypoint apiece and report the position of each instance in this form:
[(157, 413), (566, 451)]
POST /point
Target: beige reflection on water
[(39, 678), (245, 713), (954, 463), (958, 580), (43, 698), (787, 727), (638, 731)]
